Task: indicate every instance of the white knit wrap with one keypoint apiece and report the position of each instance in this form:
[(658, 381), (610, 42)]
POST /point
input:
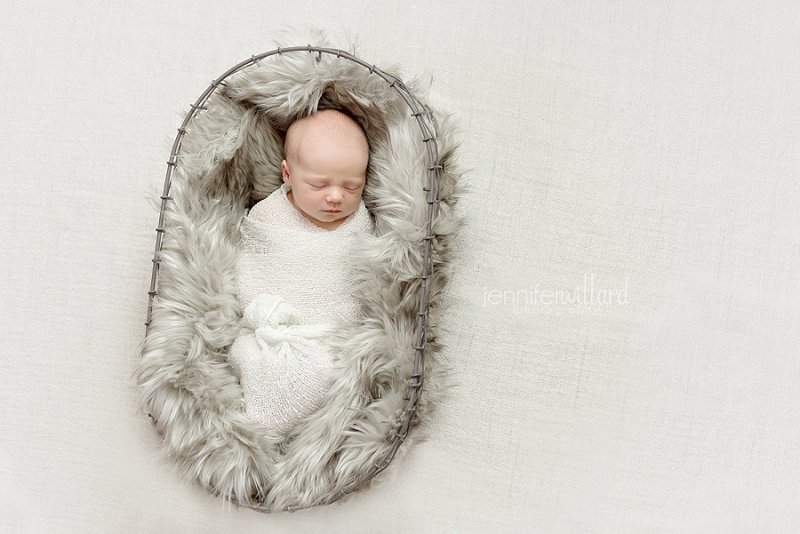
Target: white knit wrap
[(294, 284)]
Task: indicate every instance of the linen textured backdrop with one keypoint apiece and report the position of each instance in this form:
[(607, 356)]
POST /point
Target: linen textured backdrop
[(641, 155)]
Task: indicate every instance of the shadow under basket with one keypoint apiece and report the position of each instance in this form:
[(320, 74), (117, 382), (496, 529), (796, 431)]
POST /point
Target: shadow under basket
[(226, 157)]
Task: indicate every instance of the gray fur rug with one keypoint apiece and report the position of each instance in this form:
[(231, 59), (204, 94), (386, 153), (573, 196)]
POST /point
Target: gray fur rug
[(229, 159)]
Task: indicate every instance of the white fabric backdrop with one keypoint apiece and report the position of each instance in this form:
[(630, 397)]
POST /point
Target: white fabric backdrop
[(647, 147)]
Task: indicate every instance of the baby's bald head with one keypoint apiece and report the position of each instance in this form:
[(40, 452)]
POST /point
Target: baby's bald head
[(329, 126), (327, 155)]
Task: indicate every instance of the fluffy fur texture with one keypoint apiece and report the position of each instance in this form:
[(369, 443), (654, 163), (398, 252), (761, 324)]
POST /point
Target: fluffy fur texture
[(230, 158)]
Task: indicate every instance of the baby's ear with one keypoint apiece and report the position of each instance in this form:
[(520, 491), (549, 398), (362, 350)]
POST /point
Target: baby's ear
[(285, 171)]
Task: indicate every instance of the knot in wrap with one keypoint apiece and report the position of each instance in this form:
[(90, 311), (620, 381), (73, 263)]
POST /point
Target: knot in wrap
[(283, 365), (278, 327)]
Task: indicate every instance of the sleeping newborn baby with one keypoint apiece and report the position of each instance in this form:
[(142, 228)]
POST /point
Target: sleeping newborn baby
[(294, 279)]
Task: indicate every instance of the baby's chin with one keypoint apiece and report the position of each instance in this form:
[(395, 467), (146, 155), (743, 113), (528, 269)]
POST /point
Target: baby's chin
[(329, 217), (328, 223), (336, 214), (327, 220)]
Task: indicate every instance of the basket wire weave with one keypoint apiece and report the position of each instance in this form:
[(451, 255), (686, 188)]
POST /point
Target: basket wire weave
[(421, 114)]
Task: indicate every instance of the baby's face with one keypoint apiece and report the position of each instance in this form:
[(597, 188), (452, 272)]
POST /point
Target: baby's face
[(327, 172)]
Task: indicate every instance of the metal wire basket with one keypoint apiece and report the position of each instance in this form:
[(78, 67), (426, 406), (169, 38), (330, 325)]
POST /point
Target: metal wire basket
[(421, 114)]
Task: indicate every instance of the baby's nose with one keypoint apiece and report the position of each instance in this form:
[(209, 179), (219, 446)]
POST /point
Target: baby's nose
[(334, 195)]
